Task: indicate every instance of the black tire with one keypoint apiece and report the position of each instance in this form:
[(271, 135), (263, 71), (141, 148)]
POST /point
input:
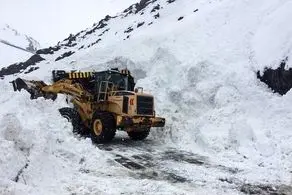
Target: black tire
[(139, 135), (108, 127), (73, 116)]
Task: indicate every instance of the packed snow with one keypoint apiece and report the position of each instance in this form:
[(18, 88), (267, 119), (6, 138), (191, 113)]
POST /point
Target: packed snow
[(201, 70)]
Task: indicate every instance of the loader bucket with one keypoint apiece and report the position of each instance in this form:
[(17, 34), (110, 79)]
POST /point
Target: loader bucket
[(34, 88), (19, 84)]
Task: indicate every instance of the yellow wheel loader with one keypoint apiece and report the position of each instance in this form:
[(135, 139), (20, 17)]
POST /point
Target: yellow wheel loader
[(103, 102)]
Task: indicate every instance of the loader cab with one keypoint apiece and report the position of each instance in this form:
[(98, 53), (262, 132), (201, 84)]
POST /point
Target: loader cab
[(113, 79)]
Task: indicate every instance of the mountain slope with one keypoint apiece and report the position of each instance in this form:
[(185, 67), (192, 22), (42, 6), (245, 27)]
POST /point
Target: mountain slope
[(199, 59), (57, 18), (15, 47)]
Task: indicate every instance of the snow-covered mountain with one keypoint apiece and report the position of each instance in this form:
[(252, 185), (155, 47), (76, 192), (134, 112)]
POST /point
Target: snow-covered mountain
[(14, 46), (57, 19), (226, 132)]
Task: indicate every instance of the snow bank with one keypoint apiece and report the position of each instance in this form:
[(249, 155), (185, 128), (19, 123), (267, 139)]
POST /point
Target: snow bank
[(34, 136)]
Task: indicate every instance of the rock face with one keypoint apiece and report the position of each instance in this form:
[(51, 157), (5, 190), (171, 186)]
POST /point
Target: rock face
[(20, 67), (279, 80)]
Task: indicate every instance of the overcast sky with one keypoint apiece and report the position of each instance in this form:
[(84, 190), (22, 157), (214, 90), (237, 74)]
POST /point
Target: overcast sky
[(50, 21)]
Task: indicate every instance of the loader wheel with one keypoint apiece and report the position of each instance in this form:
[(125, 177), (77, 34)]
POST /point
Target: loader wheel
[(103, 128), (139, 135), (73, 116)]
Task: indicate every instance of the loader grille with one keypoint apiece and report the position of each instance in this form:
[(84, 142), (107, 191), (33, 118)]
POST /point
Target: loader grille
[(144, 105)]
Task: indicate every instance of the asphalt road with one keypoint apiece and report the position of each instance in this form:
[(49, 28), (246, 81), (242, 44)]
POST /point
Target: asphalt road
[(150, 160)]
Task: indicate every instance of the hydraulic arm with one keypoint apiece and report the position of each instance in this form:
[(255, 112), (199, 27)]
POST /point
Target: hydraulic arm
[(41, 89)]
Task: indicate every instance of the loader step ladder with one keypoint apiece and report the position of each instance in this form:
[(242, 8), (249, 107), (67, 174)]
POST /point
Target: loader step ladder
[(104, 89)]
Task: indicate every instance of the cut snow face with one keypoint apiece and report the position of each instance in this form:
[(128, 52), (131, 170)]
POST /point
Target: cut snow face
[(225, 133)]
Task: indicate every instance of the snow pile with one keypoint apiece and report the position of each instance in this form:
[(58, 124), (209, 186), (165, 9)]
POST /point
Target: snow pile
[(201, 70), (43, 145)]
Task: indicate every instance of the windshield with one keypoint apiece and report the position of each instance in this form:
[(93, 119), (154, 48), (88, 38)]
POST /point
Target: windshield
[(122, 81)]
